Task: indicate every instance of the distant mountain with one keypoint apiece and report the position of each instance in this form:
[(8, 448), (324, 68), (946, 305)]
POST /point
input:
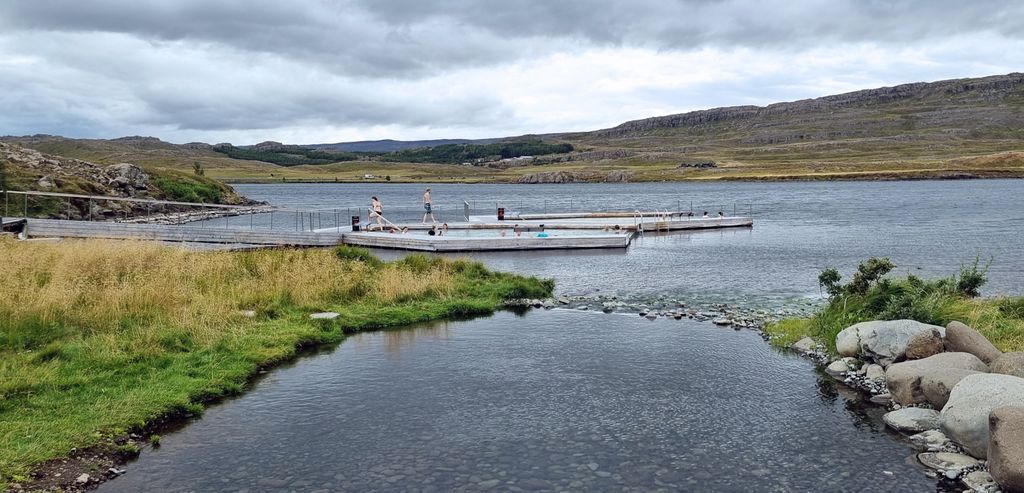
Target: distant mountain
[(388, 145), (958, 128)]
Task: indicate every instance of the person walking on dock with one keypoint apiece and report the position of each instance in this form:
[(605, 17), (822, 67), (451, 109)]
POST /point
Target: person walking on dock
[(377, 212), (428, 207)]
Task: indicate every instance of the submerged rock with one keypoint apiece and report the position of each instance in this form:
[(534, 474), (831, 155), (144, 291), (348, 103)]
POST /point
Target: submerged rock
[(912, 419), (962, 338), (965, 419)]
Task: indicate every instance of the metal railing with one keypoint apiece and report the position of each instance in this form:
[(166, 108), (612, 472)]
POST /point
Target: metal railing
[(28, 204)]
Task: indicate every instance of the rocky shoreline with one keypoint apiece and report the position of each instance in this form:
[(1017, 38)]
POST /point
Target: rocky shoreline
[(956, 397)]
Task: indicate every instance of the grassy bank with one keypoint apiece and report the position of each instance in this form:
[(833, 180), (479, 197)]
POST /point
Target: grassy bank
[(99, 337), (871, 296)]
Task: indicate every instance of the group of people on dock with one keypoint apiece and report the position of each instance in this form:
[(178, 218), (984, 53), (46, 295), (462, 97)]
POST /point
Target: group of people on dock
[(377, 213)]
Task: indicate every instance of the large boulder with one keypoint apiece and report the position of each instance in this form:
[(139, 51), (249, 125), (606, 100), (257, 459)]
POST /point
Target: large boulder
[(884, 341), (905, 379), (1009, 364), (1006, 448), (936, 386), (965, 419), (924, 344), (912, 419), (961, 338), (126, 178)]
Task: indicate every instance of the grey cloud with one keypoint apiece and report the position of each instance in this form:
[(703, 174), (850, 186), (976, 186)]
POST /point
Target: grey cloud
[(415, 38)]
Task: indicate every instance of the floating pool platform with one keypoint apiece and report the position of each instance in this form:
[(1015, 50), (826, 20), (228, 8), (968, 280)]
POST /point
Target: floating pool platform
[(537, 231), (478, 233)]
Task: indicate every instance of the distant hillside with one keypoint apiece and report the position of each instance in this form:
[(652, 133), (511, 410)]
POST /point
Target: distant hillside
[(921, 126), (960, 128), (22, 168), (388, 145)]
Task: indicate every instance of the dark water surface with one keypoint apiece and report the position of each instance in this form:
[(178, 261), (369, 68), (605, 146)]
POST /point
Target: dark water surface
[(568, 400), (554, 400)]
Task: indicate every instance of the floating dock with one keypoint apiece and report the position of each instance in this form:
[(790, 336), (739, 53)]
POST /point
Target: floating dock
[(478, 233)]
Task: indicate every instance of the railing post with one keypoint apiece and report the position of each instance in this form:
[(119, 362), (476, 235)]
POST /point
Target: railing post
[(25, 207), (90, 209), (271, 219)]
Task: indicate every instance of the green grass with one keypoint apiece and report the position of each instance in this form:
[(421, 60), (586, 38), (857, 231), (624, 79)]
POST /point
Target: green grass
[(98, 338), (937, 302)]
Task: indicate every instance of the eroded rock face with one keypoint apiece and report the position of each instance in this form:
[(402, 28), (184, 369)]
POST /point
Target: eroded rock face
[(1009, 364), (883, 341), (1006, 448), (905, 379), (961, 338), (965, 418)]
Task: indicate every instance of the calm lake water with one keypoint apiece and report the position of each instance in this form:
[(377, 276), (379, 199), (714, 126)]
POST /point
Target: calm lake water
[(554, 400), (570, 400)]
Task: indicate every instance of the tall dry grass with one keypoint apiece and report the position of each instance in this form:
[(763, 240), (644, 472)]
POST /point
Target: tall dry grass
[(113, 288)]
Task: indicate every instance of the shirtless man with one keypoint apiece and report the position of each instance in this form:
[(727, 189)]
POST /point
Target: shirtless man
[(376, 211), (427, 206)]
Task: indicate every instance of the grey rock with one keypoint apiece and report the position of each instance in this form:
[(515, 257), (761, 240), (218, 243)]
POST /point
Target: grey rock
[(980, 482), (1006, 447), (1009, 364), (947, 461), (883, 341), (805, 345), (912, 419), (924, 344), (324, 316), (126, 178), (874, 372), (931, 441), (46, 183), (904, 379), (881, 399), (83, 479), (965, 417), (962, 338), (837, 368), (937, 386)]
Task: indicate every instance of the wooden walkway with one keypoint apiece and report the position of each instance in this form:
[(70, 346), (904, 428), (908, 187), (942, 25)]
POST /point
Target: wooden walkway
[(58, 228)]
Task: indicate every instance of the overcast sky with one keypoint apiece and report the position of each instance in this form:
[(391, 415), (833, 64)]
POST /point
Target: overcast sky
[(244, 71)]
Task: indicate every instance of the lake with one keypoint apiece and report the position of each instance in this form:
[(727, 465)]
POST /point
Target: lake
[(571, 400)]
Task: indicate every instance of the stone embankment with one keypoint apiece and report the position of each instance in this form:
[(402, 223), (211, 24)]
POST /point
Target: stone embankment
[(959, 398)]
